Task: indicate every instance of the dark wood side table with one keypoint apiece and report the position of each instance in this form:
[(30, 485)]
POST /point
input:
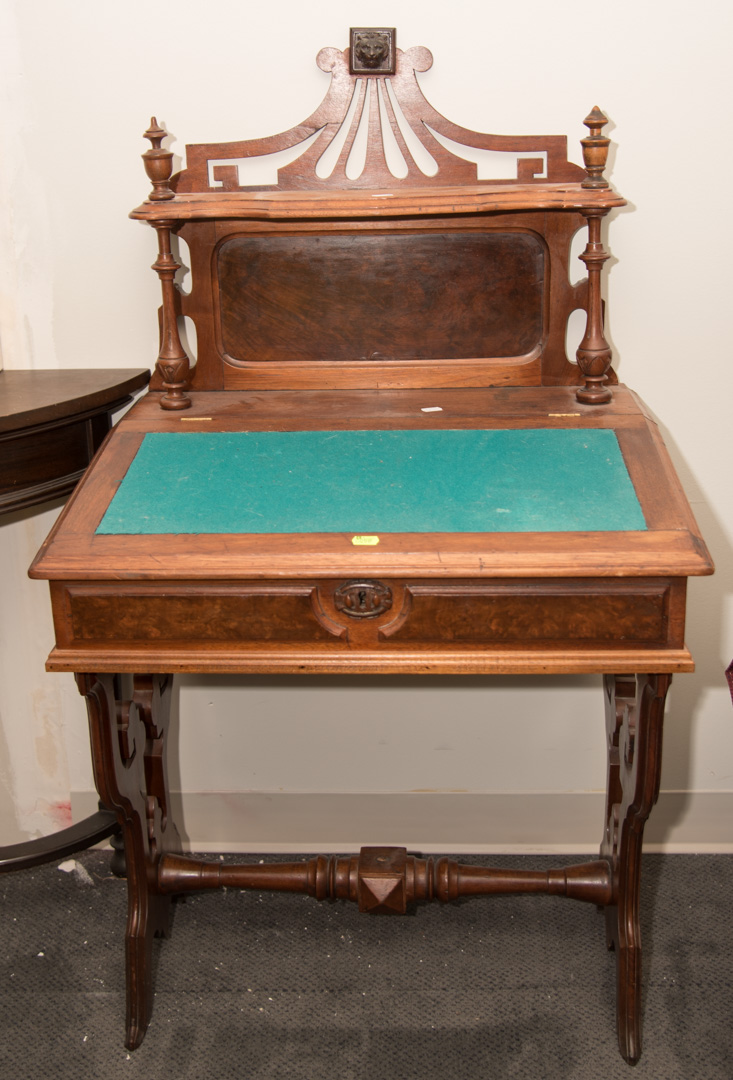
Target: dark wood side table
[(52, 422)]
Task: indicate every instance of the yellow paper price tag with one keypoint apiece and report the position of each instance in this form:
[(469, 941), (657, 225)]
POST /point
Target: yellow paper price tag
[(364, 541)]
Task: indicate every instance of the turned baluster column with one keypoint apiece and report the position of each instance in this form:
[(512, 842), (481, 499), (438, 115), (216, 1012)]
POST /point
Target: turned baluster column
[(173, 363), (594, 352)]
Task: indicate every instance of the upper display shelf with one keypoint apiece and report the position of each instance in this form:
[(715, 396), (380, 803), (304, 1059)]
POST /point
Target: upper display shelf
[(375, 146)]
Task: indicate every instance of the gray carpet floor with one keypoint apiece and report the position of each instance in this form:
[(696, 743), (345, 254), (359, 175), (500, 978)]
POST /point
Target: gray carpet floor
[(263, 987)]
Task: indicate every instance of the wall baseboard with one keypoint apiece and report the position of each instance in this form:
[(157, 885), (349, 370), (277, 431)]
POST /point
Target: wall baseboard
[(459, 822)]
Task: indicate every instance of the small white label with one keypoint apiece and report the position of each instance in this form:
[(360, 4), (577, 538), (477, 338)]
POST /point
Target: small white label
[(432, 408)]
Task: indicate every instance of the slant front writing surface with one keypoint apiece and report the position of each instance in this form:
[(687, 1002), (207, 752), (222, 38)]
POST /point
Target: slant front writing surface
[(540, 480), (367, 297)]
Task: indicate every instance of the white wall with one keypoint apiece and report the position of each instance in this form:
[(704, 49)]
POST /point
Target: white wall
[(79, 83)]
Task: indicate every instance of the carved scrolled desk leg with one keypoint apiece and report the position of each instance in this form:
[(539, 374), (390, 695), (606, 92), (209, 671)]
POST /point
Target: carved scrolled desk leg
[(635, 716), (128, 743)]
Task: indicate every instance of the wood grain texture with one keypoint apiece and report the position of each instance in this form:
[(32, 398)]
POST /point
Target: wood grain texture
[(327, 304), (276, 311), (51, 425), (386, 880), (671, 546), (371, 297), (303, 626), (634, 722), (394, 108), (421, 660), (388, 203), (128, 728), (345, 297), (41, 395)]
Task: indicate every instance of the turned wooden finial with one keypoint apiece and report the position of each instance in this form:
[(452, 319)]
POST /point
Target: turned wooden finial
[(595, 150), (158, 163)]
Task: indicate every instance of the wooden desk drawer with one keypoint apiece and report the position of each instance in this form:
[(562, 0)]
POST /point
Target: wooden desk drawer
[(385, 616)]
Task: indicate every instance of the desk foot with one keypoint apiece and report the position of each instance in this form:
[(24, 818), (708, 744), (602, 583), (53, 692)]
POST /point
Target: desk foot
[(128, 731), (634, 721)]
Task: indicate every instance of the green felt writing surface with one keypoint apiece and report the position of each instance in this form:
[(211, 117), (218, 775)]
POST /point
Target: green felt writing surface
[(537, 480)]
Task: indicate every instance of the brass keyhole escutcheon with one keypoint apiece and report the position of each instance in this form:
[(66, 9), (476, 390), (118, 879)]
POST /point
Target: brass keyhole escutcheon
[(363, 599)]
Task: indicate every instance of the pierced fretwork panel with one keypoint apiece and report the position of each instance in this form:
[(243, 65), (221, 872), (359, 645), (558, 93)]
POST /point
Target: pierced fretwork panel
[(373, 131)]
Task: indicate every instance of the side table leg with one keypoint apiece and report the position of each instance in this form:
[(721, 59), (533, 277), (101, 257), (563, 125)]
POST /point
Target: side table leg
[(634, 721), (128, 756), (117, 862)]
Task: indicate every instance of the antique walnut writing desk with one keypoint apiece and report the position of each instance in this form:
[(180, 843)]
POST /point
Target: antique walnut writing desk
[(383, 461)]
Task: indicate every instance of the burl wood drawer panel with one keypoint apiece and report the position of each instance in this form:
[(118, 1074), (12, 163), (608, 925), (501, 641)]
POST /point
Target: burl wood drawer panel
[(193, 613), (374, 614), (527, 615)]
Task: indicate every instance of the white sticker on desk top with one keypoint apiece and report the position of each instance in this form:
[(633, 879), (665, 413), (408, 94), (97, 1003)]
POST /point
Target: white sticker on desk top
[(365, 541)]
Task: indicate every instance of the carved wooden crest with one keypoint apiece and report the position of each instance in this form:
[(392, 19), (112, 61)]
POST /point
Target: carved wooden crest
[(376, 129)]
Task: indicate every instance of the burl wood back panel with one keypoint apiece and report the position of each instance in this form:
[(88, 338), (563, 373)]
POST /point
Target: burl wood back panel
[(307, 305), (344, 298)]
